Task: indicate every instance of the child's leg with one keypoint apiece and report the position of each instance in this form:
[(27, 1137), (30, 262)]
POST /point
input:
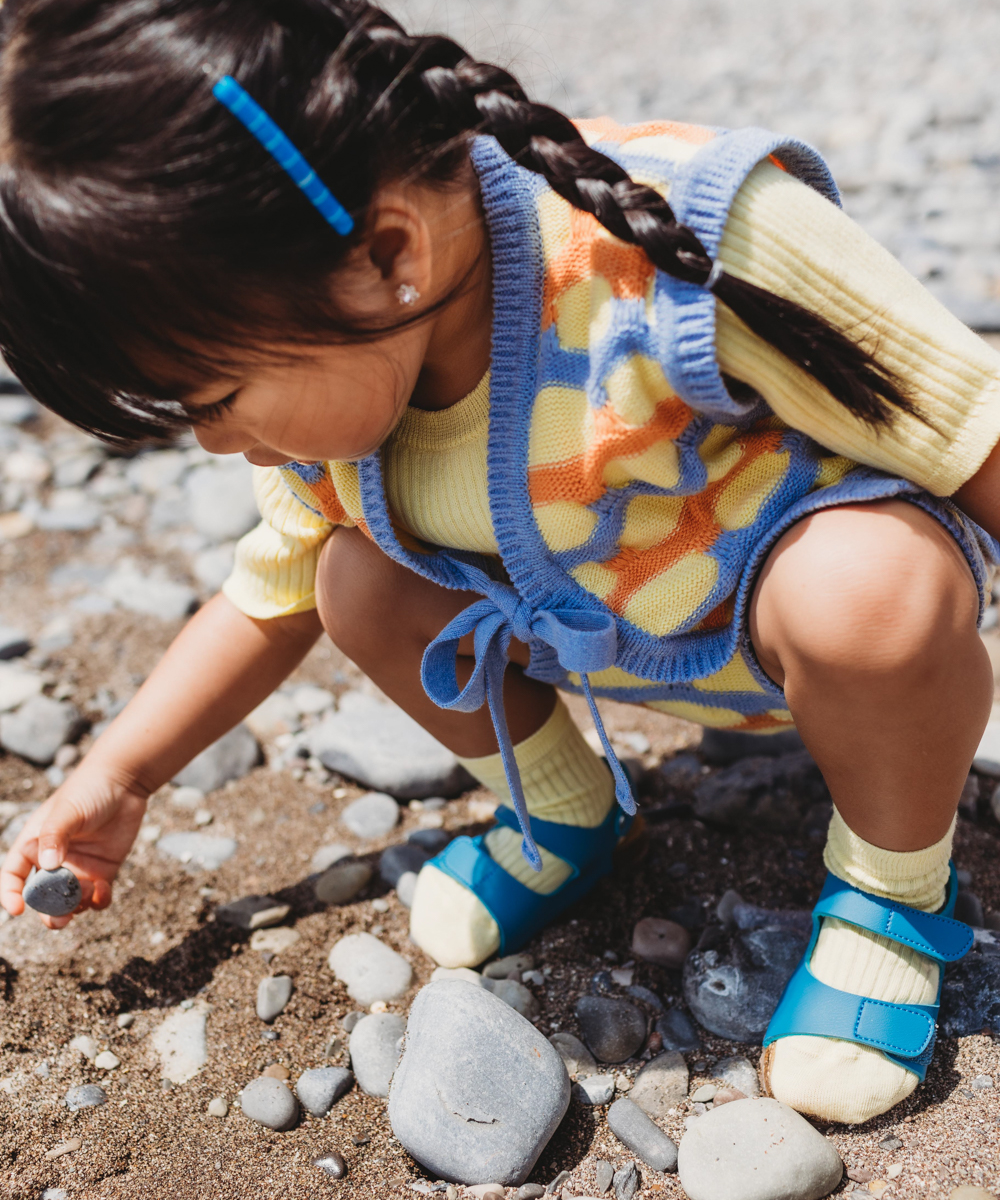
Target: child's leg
[(867, 615), (382, 616)]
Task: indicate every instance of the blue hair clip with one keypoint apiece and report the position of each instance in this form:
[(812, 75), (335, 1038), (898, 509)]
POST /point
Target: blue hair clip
[(246, 110)]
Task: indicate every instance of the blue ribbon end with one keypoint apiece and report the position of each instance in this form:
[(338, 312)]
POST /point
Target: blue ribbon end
[(530, 852)]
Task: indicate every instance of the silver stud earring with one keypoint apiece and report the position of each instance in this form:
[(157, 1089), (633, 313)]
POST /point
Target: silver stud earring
[(407, 294)]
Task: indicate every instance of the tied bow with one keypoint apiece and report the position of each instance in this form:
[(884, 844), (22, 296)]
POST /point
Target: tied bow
[(583, 640)]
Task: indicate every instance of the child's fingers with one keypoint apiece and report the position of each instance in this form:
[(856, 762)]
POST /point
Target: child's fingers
[(101, 897), (14, 872)]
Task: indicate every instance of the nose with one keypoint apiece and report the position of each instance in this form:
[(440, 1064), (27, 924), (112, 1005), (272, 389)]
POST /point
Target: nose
[(217, 440)]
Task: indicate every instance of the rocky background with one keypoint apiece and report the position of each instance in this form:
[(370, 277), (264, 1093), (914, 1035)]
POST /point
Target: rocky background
[(230, 1025)]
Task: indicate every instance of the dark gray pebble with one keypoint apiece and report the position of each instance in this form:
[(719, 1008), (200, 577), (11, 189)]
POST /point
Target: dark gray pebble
[(634, 1129), (55, 893), (351, 1020), (431, 840), (556, 1184), (643, 994), (677, 1031), (269, 1102), (529, 1191), (332, 1164), (626, 1181), (397, 860), (612, 1029), (87, 1095)]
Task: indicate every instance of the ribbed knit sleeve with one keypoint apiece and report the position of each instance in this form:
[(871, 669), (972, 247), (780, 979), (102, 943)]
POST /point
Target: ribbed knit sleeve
[(275, 570), (785, 237)]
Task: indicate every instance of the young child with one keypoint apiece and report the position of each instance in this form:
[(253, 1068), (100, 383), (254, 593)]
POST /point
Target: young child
[(634, 411)]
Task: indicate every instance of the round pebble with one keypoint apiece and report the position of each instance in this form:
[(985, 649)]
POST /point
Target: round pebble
[(269, 1102), (371, 816), (595, 1089), (604, 1174), (320, 1088), (125, 1020), (87, 1095), (273, 994), (375, 1051), (662, 942), (276, 1071), (55, 893), (107, 1060), (341, 882), (728, 1095), (370, 969), (612, 1029), (704, 1094), (529, 1191), (218, 1107), (332, 1164)]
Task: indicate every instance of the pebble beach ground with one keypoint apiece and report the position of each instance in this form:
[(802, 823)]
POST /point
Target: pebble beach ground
[(101, 558)]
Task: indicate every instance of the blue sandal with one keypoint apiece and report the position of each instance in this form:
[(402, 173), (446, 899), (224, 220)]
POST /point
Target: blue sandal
[(904, 1033), (518, 911)]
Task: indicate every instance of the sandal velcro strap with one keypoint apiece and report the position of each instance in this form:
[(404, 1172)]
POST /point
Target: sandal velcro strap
[(903, 1032), (518, 911), (939, 937)]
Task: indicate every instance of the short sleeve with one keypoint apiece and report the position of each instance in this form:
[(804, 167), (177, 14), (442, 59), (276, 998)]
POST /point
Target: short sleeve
[(786, 238), (275, 570)]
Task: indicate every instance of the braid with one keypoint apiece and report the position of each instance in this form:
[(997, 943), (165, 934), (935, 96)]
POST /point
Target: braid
[(468, 96)]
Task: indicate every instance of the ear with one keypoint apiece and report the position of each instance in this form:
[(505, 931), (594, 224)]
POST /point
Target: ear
[(400, 246)]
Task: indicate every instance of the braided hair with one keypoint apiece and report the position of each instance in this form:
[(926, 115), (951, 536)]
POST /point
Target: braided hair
[(134, 218)]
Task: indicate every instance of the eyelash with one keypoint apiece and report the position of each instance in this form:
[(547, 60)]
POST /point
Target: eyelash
[(211, 412)]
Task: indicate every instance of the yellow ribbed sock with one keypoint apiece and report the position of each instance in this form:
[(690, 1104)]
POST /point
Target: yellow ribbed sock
[(838, 1080), (563, 781)]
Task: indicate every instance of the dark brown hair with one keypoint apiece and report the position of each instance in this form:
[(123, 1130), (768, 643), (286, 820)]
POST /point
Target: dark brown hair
[(135, 211)]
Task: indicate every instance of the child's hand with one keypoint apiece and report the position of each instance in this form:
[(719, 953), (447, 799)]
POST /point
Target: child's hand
[(88, 825)]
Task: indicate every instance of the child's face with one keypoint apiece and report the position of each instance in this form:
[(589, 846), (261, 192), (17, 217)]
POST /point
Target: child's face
[(317, 403)]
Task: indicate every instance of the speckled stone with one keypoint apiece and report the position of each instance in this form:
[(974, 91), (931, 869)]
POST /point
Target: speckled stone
[(55, 893), (634, 1129), (269, 1102), (575, 1055), (661, 1084), (87, 1095), (612, 1029), (595, 1089)]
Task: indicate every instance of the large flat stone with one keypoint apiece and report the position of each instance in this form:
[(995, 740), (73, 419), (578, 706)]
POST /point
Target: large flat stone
[(479, 1091)]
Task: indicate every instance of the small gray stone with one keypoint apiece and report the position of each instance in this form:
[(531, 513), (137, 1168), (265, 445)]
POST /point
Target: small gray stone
[(332, 1164), (515, 994), (55, 893), (371, 816), (662, 942), (501, 968), (479, 1091), (982, 1083), (231, 757), (677, 1031), (756, 1150), (39, 727), (87, 1095), (157, 596), (212, 567), (374, 1051), (13, 643), (253, 912), (432, 840), (197, 850), (326, 856), (704, 1094), (891, 1143), (385, 749), (218, 1106), (661, 1084), (18, 410), (370, 969), (398, 860), (406, 889), (604, 1174), (529, 1191), (738, 1073), (321, 1087), (351, 1020), (595, 1089), (269, 1102), (626, 1181), (575, 1055), (612, 1029), (646, 996), (221, 500), (273, 994), (762, 793), (342, 882), (634, 1129)]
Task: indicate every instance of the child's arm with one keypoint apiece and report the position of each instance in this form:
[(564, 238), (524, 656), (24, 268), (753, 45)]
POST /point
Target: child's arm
[(217, 670)]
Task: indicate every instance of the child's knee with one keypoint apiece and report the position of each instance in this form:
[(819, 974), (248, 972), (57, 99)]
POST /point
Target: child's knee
[(357, 593)]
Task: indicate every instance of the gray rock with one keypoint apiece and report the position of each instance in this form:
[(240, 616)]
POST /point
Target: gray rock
[(371, 816), (17, 685), (370, 970), (723, 747), (342, 882), (269, 1102), (764, 793), (515, 994), (331, 1164), (677, 1032), (406, 888), (575, 1055), (153, 593), (479, 1091), (645, 996), (222, 504), (626, 1181), (253, 912), (970, 998), (374, 1049), (595, 1089), (663, 942), (231, 757), (398, 860), (86, 1095), (734, 987), (982, 1083), (197, 850), (386, 750), (604, 1174), (13, 643), (612, 1029), (431, 840), (321, 1087), (77, 469), (756, 1150), (661, 1084), (56, 893), (273, 994), (634, 1129), (738, 1073), (39, 727), (529, 1191), (327, 855)]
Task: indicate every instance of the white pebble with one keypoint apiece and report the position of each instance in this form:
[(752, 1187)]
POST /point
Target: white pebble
[(218, 1107), (86, 1046)]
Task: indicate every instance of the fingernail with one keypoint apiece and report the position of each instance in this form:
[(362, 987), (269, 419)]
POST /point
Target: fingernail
[(48, 860)]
